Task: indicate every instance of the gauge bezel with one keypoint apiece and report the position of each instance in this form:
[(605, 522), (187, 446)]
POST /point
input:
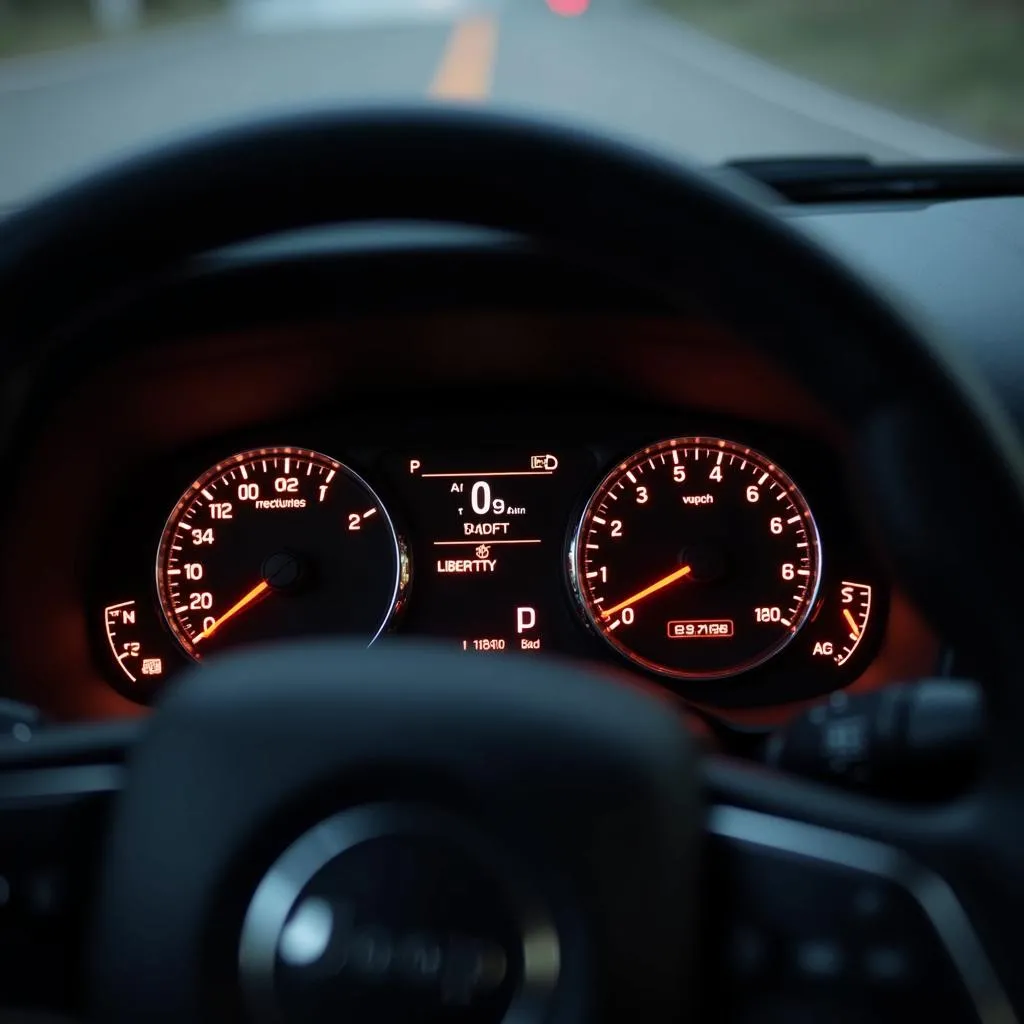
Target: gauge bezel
[(401, 550), (585, 606)]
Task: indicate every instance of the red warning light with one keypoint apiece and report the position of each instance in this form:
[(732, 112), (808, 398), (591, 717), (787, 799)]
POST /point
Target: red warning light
[(568, 8)]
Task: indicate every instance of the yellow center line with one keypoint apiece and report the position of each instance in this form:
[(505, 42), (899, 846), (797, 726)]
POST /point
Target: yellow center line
[(468, 63)]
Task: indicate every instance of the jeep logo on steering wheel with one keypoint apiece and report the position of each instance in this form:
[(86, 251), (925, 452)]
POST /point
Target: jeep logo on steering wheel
[(324, 939)]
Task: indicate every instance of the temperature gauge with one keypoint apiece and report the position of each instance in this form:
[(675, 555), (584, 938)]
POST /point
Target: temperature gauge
[(128, 645), (143, 657)]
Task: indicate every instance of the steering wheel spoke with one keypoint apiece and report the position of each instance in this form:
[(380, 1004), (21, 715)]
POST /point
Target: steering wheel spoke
[(56, 787), (821, 907)]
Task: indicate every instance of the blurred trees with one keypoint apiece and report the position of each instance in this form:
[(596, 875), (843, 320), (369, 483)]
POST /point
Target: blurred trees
[(116, 15), (957, 63), (32, 26), (105, 15)]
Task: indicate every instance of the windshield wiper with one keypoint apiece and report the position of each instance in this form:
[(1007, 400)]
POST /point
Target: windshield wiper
[(848, 179)]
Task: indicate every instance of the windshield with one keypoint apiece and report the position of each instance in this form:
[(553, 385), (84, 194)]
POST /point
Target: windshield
[(85, 81)]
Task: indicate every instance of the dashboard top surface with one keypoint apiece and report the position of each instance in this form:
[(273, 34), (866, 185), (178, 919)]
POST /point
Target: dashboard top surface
[(957, 265)]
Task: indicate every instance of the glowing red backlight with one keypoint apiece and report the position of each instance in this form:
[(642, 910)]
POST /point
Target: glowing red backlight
[(568, 8)]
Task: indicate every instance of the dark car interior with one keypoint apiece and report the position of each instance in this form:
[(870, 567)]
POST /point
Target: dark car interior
[(458, 567)]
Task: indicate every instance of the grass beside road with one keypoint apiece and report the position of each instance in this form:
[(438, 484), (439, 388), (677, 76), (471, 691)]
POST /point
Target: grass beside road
[(956, 63), (35, 26)]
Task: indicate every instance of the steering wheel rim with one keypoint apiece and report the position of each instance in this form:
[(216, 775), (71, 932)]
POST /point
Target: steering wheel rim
[(923, 425)]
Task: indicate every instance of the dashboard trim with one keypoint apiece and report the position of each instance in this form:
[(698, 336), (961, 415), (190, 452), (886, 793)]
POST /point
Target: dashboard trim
[(77, 780)]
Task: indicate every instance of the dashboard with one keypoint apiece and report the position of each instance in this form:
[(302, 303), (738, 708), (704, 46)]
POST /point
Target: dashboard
[(476, 456), (237, 456)]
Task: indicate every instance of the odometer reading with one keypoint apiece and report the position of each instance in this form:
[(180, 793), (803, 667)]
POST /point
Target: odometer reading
[(687, 630), (697, 558), (278, 542)]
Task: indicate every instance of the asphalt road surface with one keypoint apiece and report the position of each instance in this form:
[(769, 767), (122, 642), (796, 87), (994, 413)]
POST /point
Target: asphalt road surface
[(620, 66)]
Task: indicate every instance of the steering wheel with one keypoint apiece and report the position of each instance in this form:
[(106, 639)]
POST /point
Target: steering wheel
[(308, 832)]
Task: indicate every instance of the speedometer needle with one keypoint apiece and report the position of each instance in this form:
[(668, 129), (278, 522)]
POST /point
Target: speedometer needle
[(234, 610), (607, 613)]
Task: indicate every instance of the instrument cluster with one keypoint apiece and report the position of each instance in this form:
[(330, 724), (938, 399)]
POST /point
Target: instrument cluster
[(722, 562)]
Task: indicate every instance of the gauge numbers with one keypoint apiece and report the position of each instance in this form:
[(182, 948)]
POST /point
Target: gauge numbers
[(278, 542), (697, 558)]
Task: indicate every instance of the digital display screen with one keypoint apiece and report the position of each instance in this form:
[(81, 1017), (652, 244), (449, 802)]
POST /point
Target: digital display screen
[(488, 533)]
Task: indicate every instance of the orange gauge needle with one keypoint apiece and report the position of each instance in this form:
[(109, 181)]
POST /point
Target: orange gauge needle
[(607, 613), (234, 610), (854, 628)]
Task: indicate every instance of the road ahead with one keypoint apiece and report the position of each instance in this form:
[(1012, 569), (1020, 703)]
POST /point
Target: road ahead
[(620, 66)]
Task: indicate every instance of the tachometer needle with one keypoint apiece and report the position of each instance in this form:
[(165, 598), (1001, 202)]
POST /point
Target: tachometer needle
[(234, 610), (607, 613), (854, 628)]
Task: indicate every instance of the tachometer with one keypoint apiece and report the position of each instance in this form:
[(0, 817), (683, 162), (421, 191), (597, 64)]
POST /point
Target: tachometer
[(697, 558), (278, 542)]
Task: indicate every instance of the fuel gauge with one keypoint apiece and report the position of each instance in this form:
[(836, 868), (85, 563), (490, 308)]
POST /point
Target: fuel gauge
[(841, 623), (855, 603)]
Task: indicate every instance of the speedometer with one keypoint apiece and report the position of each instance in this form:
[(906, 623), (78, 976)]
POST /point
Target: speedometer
[(697, 558), (278, 542)]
